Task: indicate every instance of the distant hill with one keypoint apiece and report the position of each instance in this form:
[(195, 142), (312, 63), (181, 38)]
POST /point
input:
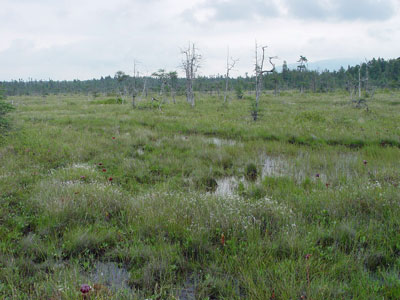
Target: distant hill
[(328, 64)]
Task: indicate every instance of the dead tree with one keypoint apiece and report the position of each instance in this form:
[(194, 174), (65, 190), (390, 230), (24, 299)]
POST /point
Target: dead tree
[(359, 82), (162, 76), (121, 78), (366, 78), (302, 68), (230, 64), (259, 70), (173, 82), (190, 64), (144, 91), (134, 91)]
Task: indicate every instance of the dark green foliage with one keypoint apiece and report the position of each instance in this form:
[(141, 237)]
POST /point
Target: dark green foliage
[(209, 183), (117, 100), (251, 172), (238, 91), (4, 109), (382, 74), (375, 261)]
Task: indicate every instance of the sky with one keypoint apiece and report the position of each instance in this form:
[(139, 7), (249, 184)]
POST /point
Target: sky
[(85, 39)]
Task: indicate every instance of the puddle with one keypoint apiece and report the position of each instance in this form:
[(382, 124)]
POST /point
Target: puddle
[(220, 142), (227, 186), (188, 292), (274, 166), (110, 275), (301, 166), (214, 140)]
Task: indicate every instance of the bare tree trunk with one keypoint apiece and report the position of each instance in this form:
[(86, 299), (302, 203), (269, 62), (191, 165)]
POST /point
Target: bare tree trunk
[(172, 94), (366, 77), (134, 85), (144, 91), (259, 69), (226, 88), (162, 94), (229, 67), (190, 64), (359, 82), (351, 90)]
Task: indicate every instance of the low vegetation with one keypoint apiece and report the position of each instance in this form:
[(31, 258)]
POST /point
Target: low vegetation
[(201, 203)]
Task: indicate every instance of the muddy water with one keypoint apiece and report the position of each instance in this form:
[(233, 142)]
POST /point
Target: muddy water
[(302, 166), (220, 142), (274, 166), (227, 185), (298, 168), (213, 140), (111, 275)]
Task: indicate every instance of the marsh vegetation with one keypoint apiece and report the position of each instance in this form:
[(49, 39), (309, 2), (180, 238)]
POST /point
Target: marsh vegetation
[(201, 202)]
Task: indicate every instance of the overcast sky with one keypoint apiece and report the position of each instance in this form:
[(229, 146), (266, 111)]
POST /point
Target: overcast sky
[(71, 39)]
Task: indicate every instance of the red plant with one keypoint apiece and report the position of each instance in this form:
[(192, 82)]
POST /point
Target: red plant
[(85, 288), (100, 164), (104, 170), (327, 185), (365, 162), (222, 239), (113, 137), (110, 179)]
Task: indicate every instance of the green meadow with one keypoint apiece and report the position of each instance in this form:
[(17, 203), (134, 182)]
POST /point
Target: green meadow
[(165, 201)]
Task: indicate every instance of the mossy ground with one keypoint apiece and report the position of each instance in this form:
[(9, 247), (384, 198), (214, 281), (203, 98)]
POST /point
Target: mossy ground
[(87, 181)]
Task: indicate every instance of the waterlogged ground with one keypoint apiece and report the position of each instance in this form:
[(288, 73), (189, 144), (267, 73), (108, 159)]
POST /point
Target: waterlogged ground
[(203, 203)]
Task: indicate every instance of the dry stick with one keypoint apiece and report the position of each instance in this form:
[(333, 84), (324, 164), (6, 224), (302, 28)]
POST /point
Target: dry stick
[(229, 67), (359, 82), (259, 73), (190, 64)]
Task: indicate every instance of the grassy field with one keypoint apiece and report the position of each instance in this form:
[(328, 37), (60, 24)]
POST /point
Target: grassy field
[(174, 202)]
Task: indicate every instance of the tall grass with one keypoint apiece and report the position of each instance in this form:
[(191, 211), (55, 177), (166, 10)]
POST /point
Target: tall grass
[(313, 210)]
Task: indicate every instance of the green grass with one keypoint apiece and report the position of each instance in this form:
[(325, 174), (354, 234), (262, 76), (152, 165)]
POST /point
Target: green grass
[(83, 182)]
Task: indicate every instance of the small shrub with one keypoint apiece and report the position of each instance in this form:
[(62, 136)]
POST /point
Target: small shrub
[(254, 192), (83, 242), (117, 100), (251, 172), (210, 183), (345, 238), (325, 240), (4, 109), (375, 261), (32, 247), (311, 116), (239, 91), (226, 163)]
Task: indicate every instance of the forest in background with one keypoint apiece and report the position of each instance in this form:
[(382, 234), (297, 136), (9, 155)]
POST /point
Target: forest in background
[(376, 73)]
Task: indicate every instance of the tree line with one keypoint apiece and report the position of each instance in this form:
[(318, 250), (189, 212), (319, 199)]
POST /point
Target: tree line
[(376, 73)]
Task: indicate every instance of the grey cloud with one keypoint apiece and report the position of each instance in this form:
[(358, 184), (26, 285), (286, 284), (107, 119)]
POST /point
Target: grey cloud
[(242, 10), (369, 10), (365, 9), (306, 9), (235, 10), (74, 60)]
